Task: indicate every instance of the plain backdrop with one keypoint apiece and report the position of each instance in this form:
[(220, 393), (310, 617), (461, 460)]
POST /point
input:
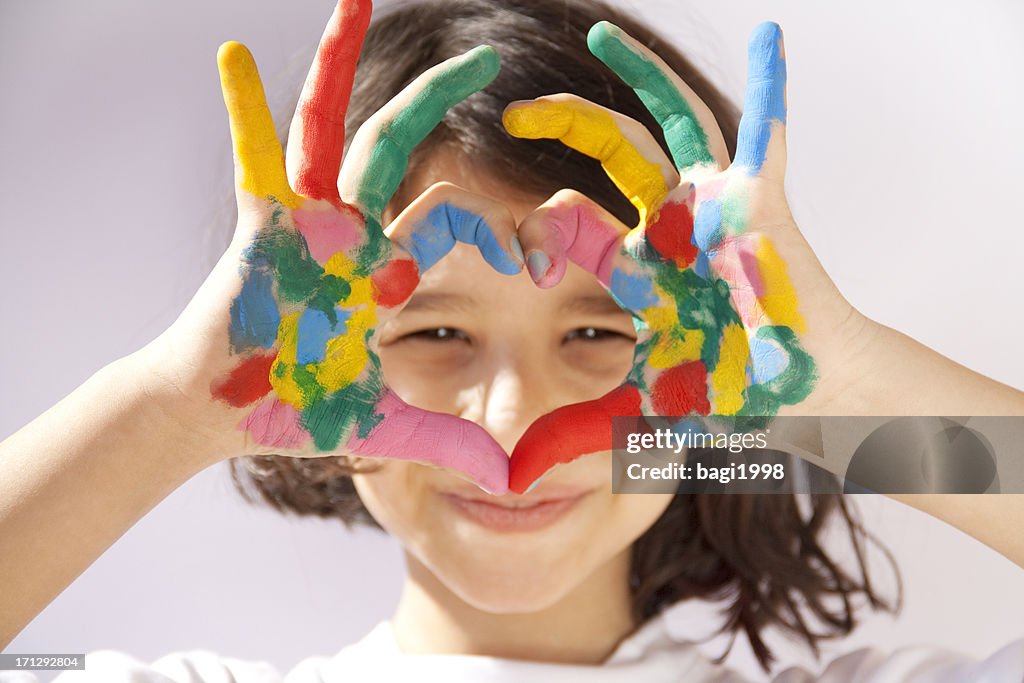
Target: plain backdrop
[(905, 175)]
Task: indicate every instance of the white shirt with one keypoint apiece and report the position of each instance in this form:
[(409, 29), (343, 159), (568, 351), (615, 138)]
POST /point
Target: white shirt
[(649, 655)]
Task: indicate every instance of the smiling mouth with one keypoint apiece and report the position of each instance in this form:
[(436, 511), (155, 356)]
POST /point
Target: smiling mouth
[(513, 515)]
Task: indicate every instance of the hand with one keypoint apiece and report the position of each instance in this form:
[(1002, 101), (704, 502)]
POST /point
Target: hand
[(289, 364), (720, 320)]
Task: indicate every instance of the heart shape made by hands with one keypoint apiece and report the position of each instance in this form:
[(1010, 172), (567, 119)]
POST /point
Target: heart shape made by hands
[(715, 313)]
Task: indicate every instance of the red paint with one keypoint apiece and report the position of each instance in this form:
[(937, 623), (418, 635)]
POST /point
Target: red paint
[(395, 282), (567, 433), (671, 232), (325, 100), (682, 390), (247, 383)]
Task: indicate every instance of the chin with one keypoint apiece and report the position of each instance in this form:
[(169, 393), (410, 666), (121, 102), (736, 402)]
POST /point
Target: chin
[(516, 584)]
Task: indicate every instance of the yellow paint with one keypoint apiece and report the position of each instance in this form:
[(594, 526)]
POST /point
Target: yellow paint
[(729, 378), (591, 130), (778, 299), (671, 351), (257, 149), (342, 266), (287, 343), (676, 345), (346, 355)]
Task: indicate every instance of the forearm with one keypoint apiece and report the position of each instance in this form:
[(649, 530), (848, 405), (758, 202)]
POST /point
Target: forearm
[(76, 478), (910, 379), (898, 375)]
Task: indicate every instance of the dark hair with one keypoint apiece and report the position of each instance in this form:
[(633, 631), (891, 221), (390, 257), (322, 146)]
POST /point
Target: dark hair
[(762, 555)]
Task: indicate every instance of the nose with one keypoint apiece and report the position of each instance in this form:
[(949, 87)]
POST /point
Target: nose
[(514, 391)]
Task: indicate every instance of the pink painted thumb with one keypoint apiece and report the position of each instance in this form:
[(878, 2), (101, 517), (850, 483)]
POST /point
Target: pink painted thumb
[(410, 433)]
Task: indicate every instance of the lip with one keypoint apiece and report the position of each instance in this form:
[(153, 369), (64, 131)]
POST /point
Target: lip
[(515, 513)]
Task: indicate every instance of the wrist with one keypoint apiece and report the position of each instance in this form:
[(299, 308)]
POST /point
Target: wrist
[(161, 413)]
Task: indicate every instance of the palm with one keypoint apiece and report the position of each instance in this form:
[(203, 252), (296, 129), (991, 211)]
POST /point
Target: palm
[(715, 314), (314, 283), (318, 273)]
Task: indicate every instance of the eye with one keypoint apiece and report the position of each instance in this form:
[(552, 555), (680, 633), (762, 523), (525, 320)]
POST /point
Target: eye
[(438, 334), (595, 334)]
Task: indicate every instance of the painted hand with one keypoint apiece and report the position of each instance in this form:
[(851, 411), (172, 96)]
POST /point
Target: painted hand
[(717, 319), (313, 273)]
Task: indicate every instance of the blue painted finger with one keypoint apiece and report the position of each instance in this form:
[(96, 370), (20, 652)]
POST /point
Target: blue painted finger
[(436, 234), (765, 101)]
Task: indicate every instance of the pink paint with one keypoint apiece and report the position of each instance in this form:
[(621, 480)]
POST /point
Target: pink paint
[(410, 433), (712, 189), (580, 235), (275, 424), (328, 232), (734, 261)]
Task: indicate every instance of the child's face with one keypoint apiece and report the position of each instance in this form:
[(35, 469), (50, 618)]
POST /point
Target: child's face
[(497, 350)]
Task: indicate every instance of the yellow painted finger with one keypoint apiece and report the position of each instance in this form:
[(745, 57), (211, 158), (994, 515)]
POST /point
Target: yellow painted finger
[(594, 131), (258, 155)]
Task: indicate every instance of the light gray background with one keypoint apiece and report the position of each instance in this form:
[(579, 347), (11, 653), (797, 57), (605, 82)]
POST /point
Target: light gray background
[(905, 157)]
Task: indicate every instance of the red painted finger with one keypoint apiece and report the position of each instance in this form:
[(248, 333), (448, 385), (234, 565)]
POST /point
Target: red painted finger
[(568, 433), (317, 136)]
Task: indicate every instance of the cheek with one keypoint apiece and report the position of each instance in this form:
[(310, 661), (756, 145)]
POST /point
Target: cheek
[(635, 513), (427, 375), (396, 497)]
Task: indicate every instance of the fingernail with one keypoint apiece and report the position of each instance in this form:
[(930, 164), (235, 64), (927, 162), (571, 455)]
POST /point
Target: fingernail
[(537, 262), (517, 249), (534, 484)]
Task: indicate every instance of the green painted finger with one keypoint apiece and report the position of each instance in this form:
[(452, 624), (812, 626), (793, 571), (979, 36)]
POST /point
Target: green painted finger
[(656, 86), (382, 148)]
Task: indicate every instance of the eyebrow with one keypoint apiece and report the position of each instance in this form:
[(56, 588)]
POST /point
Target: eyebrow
[(592, 304), (441, 301), (595, 304)]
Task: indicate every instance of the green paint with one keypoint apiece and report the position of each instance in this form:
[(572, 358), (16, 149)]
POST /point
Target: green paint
[(735, 210), (299, 278), (686, 140), (334, 417), (406, 128), (792, 385)]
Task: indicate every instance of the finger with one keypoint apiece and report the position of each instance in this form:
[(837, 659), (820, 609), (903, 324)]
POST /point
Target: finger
[(445, 214), (380, 150), (410, 433), (627, 151), (317, 135), (571, 227), (568, 433), (259, 162), (690, 129), (761, 147)]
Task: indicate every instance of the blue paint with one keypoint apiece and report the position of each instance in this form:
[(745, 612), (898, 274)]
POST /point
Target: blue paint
[(767, 360), (538, 264), (707, 224), (254, 315), (632, 292), (702, 266), (534, 484), (688, 425), (765, 100), (446, 224), (315, 329)]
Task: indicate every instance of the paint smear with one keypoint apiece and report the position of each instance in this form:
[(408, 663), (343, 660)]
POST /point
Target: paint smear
[(411, 433), (247, 383), (567, 433), (276, 425)]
